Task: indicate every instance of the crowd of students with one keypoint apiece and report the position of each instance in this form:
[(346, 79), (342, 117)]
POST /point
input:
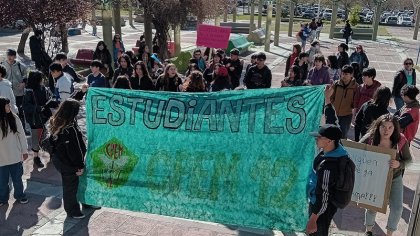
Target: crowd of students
[(354, 96)]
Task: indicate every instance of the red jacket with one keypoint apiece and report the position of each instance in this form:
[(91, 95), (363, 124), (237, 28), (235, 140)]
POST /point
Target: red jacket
[(365, 93), (409, 119)]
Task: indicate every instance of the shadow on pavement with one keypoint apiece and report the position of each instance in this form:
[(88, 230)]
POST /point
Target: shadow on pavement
[(345, 220)]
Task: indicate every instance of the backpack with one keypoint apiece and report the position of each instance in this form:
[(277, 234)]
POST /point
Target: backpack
[(343, 188)]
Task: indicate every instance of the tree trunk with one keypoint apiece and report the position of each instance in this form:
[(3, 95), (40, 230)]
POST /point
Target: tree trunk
[(64, 39), (117, 18), (162, 29), (23, 39), (130, 13)]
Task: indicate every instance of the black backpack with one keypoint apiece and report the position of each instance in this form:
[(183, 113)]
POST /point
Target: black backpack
[(345, 181)]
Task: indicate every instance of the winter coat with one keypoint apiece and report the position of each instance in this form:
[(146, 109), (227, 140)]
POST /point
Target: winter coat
[(34, 106), (400, 79), (168, 84), (368, 113), (347, 31), (365, 93), (144, 83), (35, 45), (360, 58), (7, 92), (121, 71), (258, 78), (290, 62), (343, 59), (70, 150), (16, 74), (318, 77), (303, 69), (343, 97), (13, 146)]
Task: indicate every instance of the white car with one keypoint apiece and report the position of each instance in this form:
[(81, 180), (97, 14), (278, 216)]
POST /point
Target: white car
[(405, 21)]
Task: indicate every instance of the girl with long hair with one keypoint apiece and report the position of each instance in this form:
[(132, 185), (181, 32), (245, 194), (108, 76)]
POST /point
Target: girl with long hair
[(385, 133), (371, 110), (70, 150), (195, 83), (37, 111), (141, 79), (14, 150), (294, 78), (122, 82), (102, 53), (170, 80), (124, 68), (118, 47)]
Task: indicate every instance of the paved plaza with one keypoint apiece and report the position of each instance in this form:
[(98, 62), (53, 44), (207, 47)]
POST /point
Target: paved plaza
[(44, 214)]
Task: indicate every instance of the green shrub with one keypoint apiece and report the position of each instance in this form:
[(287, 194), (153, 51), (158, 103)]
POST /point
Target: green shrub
[(354, 18)]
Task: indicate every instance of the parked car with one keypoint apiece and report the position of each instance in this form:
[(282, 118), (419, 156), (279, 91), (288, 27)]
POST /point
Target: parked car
[(405, 21), (326, 16), (391, 20), (308, 14)]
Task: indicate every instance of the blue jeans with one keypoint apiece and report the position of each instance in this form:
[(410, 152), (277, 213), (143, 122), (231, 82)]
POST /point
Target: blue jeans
[(15, 171), (399, 103), (344, 122), (395, 206)]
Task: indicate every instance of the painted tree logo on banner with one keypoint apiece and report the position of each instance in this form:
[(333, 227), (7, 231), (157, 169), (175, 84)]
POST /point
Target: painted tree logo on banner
[(113, 163)]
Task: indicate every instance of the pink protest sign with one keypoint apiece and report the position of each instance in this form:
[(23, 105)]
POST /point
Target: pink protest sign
[(213, 36)]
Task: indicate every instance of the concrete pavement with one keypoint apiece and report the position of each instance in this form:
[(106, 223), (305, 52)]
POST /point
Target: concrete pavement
[(44, 214)]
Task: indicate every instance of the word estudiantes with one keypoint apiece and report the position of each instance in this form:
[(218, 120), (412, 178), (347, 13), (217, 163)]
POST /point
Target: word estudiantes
[(175, 114)]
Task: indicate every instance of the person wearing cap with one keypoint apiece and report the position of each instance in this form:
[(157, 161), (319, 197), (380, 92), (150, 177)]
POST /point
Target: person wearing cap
[(16, 74), (342, 55), (321, 180), (345, 91), (259, 75), (234, 66)]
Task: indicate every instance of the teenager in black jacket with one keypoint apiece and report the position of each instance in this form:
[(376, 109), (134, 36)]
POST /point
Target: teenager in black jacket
[(70, 150)]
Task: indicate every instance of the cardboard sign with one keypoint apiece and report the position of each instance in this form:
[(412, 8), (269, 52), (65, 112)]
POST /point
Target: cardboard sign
[(213, 36), (373, 175)]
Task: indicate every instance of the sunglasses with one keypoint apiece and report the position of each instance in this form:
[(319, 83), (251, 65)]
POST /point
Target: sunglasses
[(408, 63)]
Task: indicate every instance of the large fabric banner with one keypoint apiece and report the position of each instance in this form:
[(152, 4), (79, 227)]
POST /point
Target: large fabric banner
[(237, 157)]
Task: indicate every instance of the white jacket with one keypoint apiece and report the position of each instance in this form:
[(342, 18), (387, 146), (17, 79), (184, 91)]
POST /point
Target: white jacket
[(7, 92), (13, 146)]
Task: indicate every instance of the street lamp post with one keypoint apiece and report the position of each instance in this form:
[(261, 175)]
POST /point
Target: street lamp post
[(378, 4)]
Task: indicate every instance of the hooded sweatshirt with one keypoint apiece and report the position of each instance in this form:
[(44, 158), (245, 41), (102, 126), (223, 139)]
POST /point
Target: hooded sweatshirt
[(365, 93), (13, 146), (318, 77), (323, 175), (7, 92)]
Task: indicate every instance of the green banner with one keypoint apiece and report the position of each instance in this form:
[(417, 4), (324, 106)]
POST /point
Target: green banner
[(237, 158)]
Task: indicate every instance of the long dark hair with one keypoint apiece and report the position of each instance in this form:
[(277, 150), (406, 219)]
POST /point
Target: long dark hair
[(374, 134), (122, 82), (34, 79), (7, 120), (127, 59), (333, 62), (143, 69), (382, 96), (65, 115)]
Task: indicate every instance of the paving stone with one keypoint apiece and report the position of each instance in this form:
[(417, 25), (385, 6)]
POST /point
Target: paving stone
[(137, 226)]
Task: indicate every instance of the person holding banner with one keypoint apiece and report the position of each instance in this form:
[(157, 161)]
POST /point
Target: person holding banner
[(141, 79), (125, 68), (220, 80), (385, 132), (259, 75), (195, 83), (170, 80)]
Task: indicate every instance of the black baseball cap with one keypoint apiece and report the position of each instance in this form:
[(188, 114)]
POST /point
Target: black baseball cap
[(328, 131), (11, 52)]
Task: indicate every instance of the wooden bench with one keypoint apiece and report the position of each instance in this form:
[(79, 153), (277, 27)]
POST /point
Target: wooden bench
[(239, 42), (238, 28), (83, 57), (358, 33)]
